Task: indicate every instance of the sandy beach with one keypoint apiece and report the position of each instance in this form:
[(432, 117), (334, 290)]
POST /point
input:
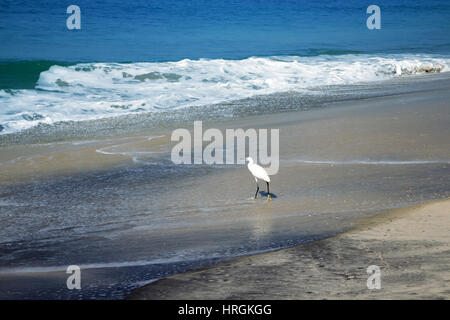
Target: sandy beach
[(120, 209), (410, 245)]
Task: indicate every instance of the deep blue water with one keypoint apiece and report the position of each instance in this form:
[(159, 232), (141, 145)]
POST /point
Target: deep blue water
[(171, 30), (217, 51)]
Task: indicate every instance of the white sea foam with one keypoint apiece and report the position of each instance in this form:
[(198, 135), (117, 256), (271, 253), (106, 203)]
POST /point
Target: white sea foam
[(112, 150), (99, 90)]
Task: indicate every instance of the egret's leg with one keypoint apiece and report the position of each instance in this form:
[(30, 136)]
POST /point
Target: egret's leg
[(268, 191), (257, 187)]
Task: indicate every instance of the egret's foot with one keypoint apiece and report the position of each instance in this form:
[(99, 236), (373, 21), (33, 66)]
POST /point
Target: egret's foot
[(269, 197)]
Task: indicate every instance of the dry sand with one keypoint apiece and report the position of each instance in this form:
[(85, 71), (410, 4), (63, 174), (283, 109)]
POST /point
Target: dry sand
[(410, 245)]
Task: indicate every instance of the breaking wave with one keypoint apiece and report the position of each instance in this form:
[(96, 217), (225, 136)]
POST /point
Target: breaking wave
[(99, 90)]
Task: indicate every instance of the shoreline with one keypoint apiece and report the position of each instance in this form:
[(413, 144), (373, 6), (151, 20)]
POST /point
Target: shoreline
[(113, 200), (129, 125), (411, 246)]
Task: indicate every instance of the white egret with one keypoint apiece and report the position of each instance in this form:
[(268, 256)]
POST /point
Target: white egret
[(258, 172)]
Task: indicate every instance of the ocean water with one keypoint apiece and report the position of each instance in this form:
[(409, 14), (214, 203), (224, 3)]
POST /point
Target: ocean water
[(148, 56)]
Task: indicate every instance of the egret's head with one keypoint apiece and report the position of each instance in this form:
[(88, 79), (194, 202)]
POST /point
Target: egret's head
[(249, 159)]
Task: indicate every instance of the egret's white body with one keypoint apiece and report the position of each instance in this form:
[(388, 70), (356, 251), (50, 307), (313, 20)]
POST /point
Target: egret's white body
[(258, 172)]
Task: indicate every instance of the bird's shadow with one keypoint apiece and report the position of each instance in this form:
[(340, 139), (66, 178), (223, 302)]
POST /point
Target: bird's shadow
[(265, 194)]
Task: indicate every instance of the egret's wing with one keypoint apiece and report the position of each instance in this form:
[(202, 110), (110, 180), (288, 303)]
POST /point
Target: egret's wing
[(259, 172)]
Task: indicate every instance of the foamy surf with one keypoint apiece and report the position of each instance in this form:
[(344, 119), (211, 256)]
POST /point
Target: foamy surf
[(100, 90)]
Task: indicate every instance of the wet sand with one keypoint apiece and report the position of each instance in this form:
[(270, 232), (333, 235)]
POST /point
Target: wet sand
[(410, 245)]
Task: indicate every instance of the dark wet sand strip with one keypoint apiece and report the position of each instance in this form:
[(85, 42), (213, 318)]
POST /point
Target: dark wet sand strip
[(410, 245)]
